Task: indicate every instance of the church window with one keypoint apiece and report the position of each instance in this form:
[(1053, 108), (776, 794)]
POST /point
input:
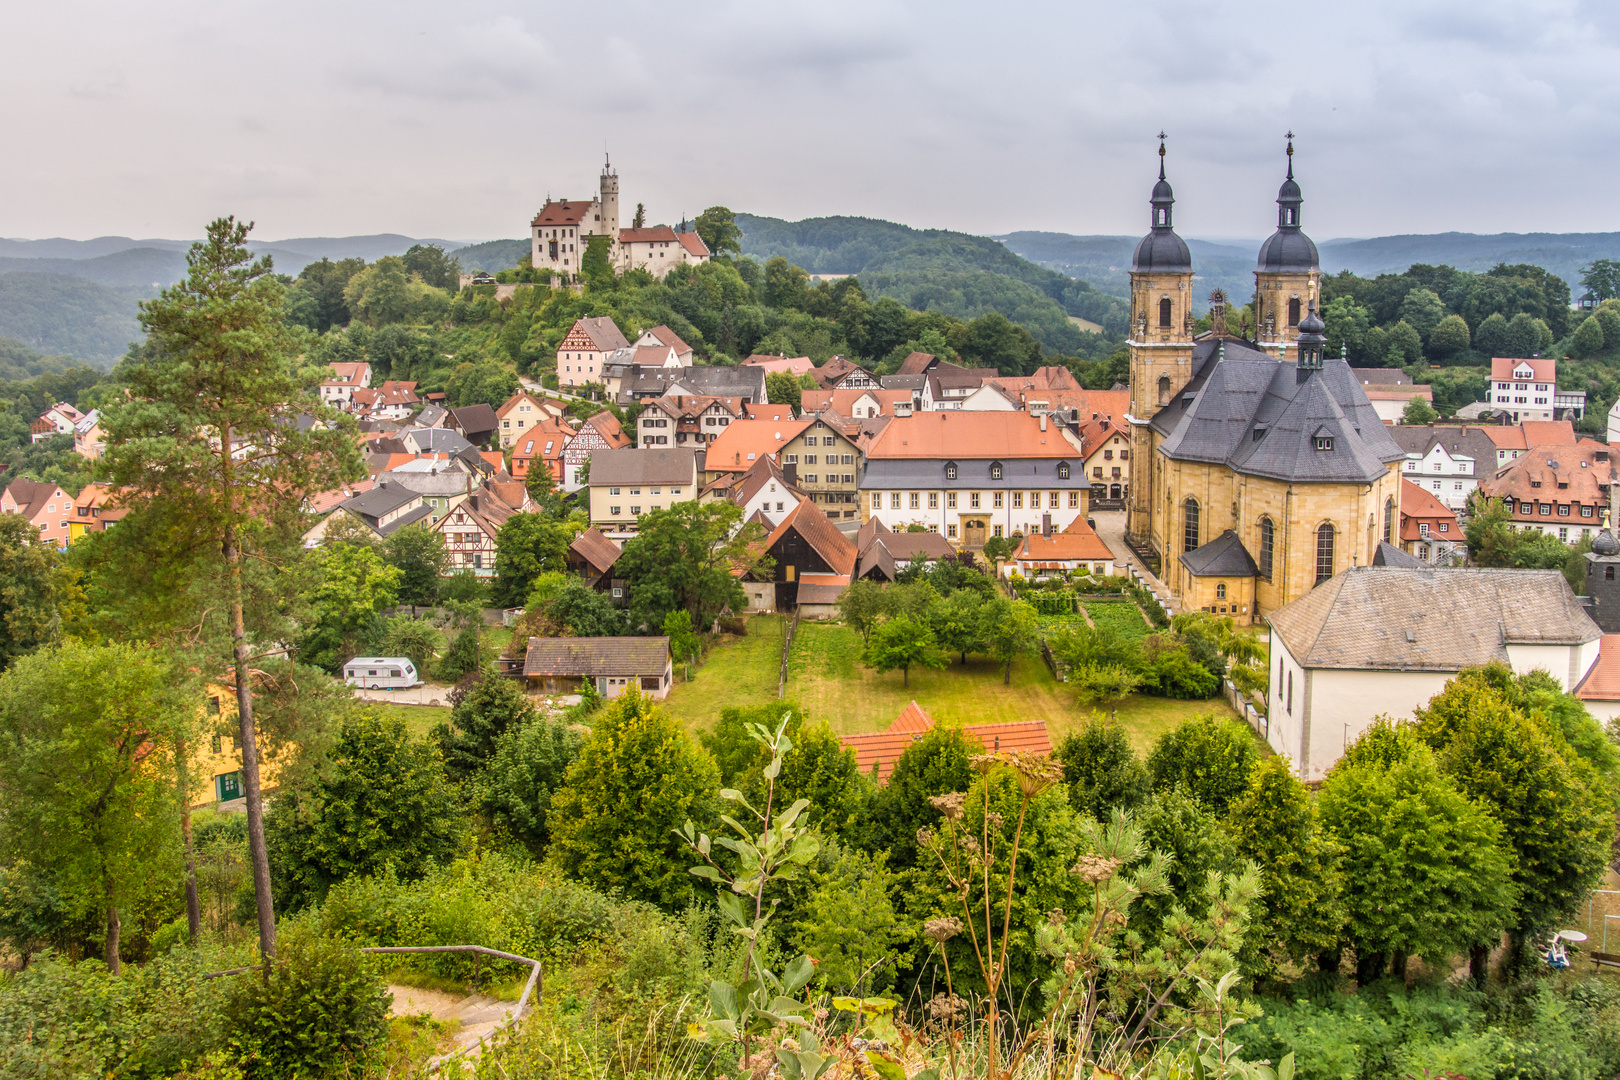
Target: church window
[(1220, 591), (1293, 311), (1268, 541), (1164, 389), (1164, 312), (1389, 521), (1189, 526), (1608, 573), (1324, 552)]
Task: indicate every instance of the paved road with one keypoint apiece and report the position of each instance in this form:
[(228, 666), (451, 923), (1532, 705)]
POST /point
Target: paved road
[(1111, 527)]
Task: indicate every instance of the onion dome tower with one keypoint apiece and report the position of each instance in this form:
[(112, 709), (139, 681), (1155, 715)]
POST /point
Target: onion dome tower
[(1288, 276)]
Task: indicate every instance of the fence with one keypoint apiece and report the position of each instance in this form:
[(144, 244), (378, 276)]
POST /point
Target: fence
[(533, 986), (787, 647)]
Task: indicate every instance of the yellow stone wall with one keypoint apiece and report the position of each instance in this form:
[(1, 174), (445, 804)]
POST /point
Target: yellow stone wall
[(1271, 295), (1156, 352), (1203, 594)]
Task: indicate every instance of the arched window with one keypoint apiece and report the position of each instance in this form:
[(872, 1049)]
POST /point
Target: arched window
[(1189, 526), (1220, 591), (1389, 520), (1063, 470), (1293, 311), (1324, 552), (1268, 545), (1164, 312), (1164, 389)]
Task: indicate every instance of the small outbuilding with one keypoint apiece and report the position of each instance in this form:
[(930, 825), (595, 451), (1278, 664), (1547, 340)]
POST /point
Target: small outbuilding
[(562, 665), (381, 673)]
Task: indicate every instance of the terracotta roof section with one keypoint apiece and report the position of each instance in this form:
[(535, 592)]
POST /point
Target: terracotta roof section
[(778, 413), (821, 534), (917, 363), (1543, 369), (1398, 393), (1419, 507), (1580, 474), (666, 336), (596, 656), (744, 442), (1548, 433), (694, 245), (347, 374), (650, 235), (881, 750), (596, 549), (789, 365), (1387, 618), (607, 426), (1602, 683), (519, 398), (842, 401), (562, 212), (1071, 544), (951, 435)]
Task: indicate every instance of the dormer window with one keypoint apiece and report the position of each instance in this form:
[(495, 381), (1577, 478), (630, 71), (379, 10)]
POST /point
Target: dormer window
[(995, 470), (1063, 470), (950, 471), (1162, 212), (1323, 442)]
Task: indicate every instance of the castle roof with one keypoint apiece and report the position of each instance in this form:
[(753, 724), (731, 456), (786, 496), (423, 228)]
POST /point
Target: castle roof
[(562, 212)]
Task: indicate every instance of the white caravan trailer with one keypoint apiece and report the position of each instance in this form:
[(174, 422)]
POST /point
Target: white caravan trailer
[(381, 673)]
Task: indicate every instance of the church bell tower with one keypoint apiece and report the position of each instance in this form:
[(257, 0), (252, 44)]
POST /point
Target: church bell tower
[(609, 225), (1288, 277), (1161, 337)]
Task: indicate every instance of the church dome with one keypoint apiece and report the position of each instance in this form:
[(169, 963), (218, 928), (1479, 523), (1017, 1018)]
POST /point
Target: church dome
[(1312, 324), (1288, 250), (1162, 251)]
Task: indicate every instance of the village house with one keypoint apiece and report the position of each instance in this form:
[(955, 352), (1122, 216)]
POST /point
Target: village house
[(89, 441), (1527, 389), (882, 553), (1446, 459), (876, 753), (522, 411), (857, 402), (763, 492), (1383, 640), (92, 511), (781, 364), (56, 420), (1429, 528), (613, 664), (591, 556), (681, 420), (658, 250), (1105, 440), (440, 479), (393, 400), (584, 349), (665, 349), (1560, 490), (1512, 441), (746, 442), (626, 484), (813, 562), (600, 432), (824, 459), (1390, 390), (546, 442), (475, 423), (469, 529), (1075, 550), (840, 373), (384, 508), (337, 389), (632, 383), (43, 505), (973, 476)]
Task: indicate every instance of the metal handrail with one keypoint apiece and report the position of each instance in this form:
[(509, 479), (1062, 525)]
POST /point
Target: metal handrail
[(533, 986)]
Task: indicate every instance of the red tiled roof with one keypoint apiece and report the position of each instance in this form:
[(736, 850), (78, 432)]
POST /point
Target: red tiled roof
[(744, 442), (1419, 507), (912, 717), (883, 748), (823, 537), (1077, 542), (1545, 369), (1602, 683), (779, 413), (791, 365), (562, 212), (915, 363), (652, 235), (953, 434), (694, 245)]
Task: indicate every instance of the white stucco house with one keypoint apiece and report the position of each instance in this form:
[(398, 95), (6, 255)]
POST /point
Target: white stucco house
[(1385, 639)]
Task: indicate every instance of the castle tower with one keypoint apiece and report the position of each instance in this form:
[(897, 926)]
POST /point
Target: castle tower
[(609, 225), (1160, 339), (1288, 279)]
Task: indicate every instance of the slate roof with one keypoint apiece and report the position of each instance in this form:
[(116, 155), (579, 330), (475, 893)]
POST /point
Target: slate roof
[(674, 465), (1224, 556), (1237, 390), (1390, 555), (1468, 440), (596, 549), (435, 440), (739, 382), (596, 656), (1389, 618), (385, 498)]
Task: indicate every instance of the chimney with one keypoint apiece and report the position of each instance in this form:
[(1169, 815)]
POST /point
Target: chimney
[(1043, 421)]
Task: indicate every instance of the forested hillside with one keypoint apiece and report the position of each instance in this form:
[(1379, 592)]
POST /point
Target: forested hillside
[(1105, 262), (55, 313), (939, 270), (493, 255)]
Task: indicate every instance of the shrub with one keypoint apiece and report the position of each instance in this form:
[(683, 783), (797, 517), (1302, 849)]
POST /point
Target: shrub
[(1210, 758), (321, 1010), (487, 710), (1101, 770), (1175, 674)]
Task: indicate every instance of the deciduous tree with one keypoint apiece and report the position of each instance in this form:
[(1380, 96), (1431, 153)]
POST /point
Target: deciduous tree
[(418, 553), (901, 642), (515, 789), (686, 557), (1102, 771), (527, 546), (1009, 629), (33, 588), (717, 227), (1209, 758)]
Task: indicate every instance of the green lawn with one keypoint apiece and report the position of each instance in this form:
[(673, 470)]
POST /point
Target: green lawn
[(736, 671), (419, 719), (826, 678)]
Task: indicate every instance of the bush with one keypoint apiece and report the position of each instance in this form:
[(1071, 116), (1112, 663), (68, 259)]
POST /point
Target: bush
[(1175, 674), (1101, 770), (1211, 759), (322, 1010)]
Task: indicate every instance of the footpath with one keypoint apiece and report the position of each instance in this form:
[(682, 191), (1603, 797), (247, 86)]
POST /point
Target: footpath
[(1111, 528)]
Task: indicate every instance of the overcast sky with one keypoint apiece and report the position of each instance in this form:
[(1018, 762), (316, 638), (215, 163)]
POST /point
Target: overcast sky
[(456, 119)]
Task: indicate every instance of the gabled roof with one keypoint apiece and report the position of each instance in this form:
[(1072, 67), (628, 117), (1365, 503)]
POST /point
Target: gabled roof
[(692, 406), (347, 374), (1388, 554), (822, 535), (766, 470), (1543, 368), (917, 363), (562, 212), (694, 245), (607, 426), (1586, 470), (597, 550), (952, 435), (651, 465), (1602, 683), (1224, 556), (882, 749), (380, 500), (32, 496), (603, 332), (517, 399), (475, 420), (1465, 441), (665, 336), (651, 235), (744, 442), (596, 656), (1417, 503), (843, 401), (790, 365), (778, 413), (1425, 619), (1076, 542)]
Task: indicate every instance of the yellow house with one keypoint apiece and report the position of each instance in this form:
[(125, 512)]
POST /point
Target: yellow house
[(91, 512), (216, 762)]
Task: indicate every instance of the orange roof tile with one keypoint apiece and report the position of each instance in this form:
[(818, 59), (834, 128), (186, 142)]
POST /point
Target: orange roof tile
[(954, 434), (1602, 683), (1548, 433), (694, 245), (790, 365), (778, 413), (1069, 545), (1419, 507), (562, 212), (1544, 369), (912, 717), (813, 527), (743, 442), (882, 749)]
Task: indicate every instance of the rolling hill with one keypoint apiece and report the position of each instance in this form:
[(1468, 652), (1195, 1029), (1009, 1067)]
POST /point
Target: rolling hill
[(60, 314)]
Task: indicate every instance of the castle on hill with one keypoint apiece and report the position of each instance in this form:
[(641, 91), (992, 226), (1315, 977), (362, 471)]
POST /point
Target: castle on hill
[(1259, 468), (562, 229)]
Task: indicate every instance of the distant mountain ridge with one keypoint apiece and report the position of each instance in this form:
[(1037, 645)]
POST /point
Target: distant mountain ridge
[(1105, 260)]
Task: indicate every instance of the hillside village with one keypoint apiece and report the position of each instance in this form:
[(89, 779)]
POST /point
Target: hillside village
[(1220, 670)]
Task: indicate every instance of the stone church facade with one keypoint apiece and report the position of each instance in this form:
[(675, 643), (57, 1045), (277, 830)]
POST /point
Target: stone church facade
[(1259, 468)]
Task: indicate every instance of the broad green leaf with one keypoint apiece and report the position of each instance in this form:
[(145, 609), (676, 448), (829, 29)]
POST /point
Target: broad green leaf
[(706, 872), (797, 974), (885, 1066)]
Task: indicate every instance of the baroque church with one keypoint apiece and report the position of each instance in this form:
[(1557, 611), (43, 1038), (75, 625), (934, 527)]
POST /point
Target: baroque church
[(1259, 469)]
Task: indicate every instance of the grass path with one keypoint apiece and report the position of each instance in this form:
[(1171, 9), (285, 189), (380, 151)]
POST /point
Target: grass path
[(737, 671)]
